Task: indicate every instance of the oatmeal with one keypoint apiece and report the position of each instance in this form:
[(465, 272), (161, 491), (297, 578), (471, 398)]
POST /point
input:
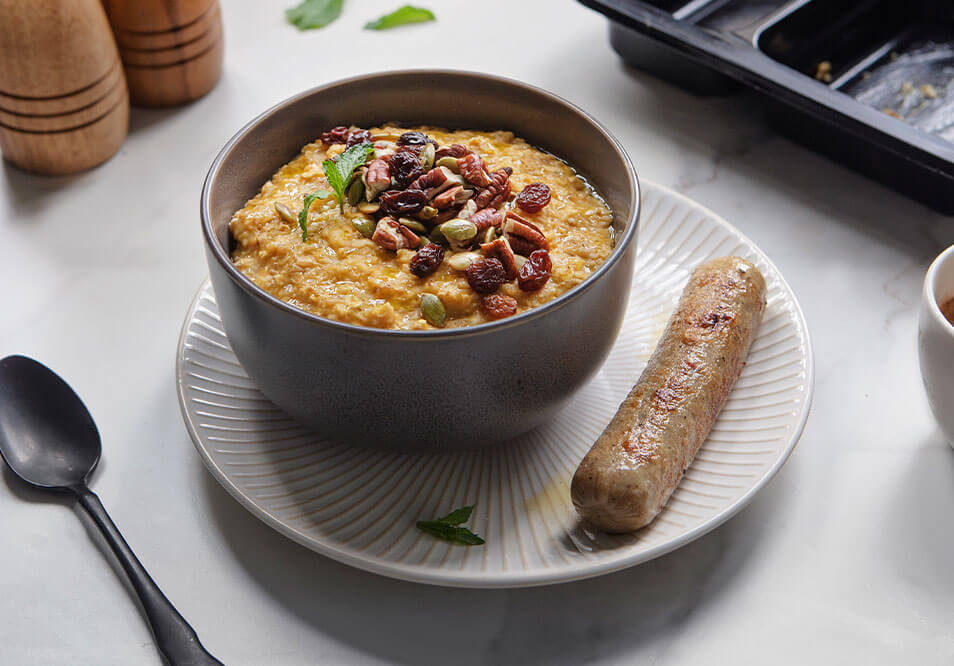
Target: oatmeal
[(421, 228)]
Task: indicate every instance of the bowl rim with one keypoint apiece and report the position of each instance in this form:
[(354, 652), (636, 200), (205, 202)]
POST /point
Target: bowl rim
[(621, 243), (931, 288)]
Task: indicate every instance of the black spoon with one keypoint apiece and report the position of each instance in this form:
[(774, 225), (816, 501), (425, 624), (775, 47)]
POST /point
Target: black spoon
[(49, 440)]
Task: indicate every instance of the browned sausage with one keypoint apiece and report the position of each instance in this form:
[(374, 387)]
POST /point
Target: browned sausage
[(636, 464)]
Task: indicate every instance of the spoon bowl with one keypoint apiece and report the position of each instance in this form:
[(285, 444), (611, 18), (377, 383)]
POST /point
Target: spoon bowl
[(49, 439), (47, 436)]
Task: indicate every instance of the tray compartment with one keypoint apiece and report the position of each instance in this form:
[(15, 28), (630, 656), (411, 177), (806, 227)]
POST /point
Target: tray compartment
[(825, 39), (913, 82)]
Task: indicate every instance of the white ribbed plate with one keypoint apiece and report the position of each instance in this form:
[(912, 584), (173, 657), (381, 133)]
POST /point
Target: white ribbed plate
[(359, 506)]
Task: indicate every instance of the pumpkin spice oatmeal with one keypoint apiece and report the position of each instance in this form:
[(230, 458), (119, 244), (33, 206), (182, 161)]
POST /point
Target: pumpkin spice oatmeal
[(421, 228)]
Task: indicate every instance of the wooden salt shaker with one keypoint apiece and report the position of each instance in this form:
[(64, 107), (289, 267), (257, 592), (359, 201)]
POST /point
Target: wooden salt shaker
[(171, 49), (63, 101)]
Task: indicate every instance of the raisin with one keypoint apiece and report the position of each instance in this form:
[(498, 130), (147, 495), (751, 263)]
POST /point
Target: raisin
[(486, 275), (498, 306), (405, 168), (402, 203), (338, 134), (427, 260), (414, 139), (359, 136), (533, 197), (535, 271)]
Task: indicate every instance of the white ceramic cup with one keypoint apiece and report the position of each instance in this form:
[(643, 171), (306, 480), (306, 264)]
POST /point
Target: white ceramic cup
[(936, 341)]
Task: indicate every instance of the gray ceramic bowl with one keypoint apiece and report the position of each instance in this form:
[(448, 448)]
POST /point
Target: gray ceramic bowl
[(441, 389)]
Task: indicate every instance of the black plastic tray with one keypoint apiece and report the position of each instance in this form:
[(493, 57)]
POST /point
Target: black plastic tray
[(869, 83)]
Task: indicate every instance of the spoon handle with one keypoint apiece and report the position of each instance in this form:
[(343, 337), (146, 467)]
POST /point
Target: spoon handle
[(176, 640)]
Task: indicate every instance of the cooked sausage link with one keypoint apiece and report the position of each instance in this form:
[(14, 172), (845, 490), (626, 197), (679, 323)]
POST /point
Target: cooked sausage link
[(626, 478)]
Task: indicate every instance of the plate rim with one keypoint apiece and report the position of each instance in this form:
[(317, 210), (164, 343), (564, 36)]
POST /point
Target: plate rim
[(510, 580)]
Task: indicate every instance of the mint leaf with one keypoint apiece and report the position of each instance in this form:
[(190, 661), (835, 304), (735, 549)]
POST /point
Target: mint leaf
[(339, 170), (303, 214), (312, 14), (447, 528), (460, 535), (457, 516), (403, 16)]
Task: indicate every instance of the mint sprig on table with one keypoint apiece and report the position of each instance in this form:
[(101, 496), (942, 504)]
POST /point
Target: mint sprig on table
[(338, 171), (448, 528), (312, 14), (403, 16)]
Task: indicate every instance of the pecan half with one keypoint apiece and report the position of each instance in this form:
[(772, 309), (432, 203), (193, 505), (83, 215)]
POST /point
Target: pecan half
[(496, 193), (467, 210), (391, 235), (472, 169), (455, 196), (377, 178), (384, 149), (524, 236), (432, 178), (456, 150), (487, 217), (500, 250)]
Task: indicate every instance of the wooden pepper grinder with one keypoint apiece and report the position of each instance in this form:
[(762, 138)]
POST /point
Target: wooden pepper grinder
[(171, 49), (63, 100)]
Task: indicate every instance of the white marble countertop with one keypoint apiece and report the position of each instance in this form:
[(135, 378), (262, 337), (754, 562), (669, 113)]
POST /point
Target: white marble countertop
[(845, 557)]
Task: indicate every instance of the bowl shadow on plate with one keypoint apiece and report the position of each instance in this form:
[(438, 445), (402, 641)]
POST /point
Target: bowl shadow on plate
[(614, 614)]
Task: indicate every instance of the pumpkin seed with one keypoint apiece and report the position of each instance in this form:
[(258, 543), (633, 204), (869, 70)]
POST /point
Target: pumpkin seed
[(427, 156), (520, 260), (413, 225), (489, 234), (369, 208), (436, 236), (286, 214), (364, 225), (427, 212), (458, 230), (433, 310), (459, 261), (449, 162), (355, 192)]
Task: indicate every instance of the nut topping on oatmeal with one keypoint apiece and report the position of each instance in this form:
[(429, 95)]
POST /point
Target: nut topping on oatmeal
[(377, 178), (448, 197), (487, 217), (524, 235), (456, 151), (497, 192), (500, 250), (391, 235), (472, 170)]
